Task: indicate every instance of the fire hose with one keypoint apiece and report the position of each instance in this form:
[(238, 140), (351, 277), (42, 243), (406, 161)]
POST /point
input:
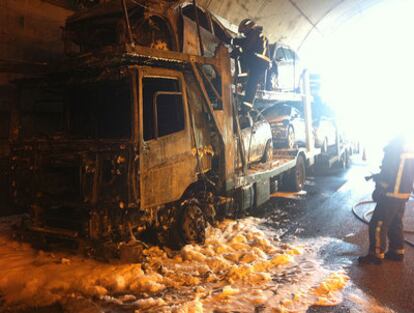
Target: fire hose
[(365, 219)]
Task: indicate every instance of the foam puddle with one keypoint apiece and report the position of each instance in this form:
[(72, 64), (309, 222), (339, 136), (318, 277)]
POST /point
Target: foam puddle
[(242, 267), (363, 303)]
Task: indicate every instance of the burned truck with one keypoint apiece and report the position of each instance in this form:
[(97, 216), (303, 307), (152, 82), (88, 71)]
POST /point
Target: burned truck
[(137, 133), (130, 144), (125, 140), (121, 146)]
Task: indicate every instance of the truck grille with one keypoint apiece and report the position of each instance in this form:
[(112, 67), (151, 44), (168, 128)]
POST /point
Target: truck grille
[(59, 181), (68, 218)]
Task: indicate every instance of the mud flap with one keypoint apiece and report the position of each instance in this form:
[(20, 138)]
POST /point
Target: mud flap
[(245, 198), (262, 192)]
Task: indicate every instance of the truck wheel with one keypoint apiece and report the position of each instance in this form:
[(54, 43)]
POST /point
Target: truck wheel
[(268, 153), (298, 175), (193, 224), (291, 140)]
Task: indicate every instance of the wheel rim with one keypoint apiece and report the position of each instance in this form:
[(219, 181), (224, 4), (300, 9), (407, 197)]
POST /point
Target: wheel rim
[(194, 225), (268, 154)]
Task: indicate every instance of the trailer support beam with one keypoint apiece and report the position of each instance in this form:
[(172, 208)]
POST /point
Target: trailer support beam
[(307, 103)]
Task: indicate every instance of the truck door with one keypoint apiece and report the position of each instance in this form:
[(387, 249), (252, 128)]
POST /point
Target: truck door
[(168, 164)]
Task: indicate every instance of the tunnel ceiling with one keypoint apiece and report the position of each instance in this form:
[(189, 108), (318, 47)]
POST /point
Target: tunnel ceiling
[(291, 21)]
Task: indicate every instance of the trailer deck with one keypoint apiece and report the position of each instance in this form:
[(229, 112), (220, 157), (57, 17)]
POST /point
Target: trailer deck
[(283, 161)]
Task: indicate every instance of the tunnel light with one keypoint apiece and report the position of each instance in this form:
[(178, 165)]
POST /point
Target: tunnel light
[(367, 68)]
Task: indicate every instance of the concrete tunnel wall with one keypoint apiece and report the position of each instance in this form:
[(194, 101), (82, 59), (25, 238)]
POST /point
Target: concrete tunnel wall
[(292, 22), (30, 30)]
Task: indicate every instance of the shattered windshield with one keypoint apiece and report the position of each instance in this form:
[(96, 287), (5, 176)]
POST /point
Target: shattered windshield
[(98, 110)]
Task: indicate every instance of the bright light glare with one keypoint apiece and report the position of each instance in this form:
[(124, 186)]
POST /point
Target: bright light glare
[(367, 70)]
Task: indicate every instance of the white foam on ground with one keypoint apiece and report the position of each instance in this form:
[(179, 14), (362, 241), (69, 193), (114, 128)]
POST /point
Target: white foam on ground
[(240, 267)]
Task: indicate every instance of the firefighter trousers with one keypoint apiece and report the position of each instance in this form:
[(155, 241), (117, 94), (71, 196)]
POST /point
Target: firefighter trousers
[(387, 221), (256, 73)]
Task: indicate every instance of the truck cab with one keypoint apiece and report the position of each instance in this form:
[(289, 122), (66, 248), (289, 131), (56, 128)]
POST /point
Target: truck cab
[(116, 144)]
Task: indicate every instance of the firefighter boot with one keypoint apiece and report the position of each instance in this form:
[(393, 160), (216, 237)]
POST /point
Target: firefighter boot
[(369, 259), (394, 256)]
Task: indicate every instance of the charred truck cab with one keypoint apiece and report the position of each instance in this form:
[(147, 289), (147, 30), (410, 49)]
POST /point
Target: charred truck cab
[(133, 141), (128, 135)]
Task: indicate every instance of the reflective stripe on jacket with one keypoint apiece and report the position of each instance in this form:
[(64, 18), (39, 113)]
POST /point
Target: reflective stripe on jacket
[(254, 46), (404, 179), (397, 170)]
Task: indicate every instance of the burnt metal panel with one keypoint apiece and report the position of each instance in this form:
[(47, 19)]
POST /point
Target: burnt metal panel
[(168, 165), (191, 44)]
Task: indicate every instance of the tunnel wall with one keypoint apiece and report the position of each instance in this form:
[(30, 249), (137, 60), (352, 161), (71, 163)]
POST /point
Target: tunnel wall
[(292, 22), (30, 31)]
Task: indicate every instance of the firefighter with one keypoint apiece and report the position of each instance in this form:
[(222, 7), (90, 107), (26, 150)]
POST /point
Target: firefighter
[(252, 48), (393, 186)]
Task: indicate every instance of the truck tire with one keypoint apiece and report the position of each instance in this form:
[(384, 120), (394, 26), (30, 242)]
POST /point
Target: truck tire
[(193, 224), (291, 138), (268, 153), (298, 175)]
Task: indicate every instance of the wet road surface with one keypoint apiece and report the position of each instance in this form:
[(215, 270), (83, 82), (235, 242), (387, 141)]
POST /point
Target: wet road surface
[(326, 212)]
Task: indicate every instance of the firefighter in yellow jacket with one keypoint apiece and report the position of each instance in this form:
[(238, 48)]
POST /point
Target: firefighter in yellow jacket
[(253, 49), (393, 188)]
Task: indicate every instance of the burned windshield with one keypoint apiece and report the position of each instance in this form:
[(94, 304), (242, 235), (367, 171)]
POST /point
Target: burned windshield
[(41, 111), (99, 110)]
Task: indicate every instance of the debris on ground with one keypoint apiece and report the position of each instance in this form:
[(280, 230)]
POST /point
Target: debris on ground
[(241, 267)]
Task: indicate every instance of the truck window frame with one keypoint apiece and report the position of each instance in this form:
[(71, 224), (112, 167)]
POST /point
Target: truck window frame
[(162, 73), (155, 104), (164, 22), (203, 16), (130, 82)]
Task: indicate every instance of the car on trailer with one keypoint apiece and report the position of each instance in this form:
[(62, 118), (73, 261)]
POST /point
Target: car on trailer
[(287, 124), (325, 132), (286, 69)]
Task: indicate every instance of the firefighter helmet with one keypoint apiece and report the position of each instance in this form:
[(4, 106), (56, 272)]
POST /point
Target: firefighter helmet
[(246, 25)]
